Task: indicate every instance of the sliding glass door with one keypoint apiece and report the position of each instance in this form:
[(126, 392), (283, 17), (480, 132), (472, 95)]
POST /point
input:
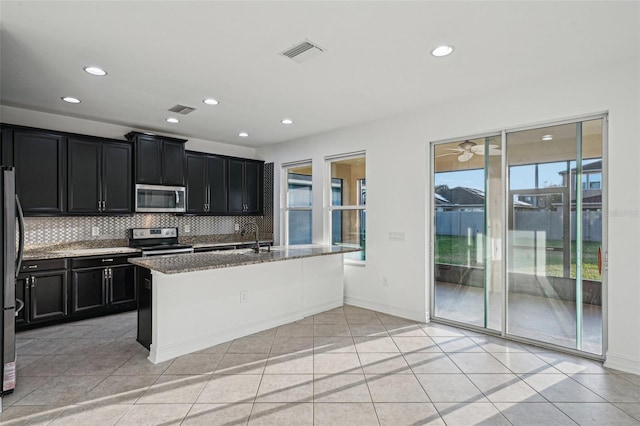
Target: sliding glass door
[(467, 218), (555, 234), (518, 234)]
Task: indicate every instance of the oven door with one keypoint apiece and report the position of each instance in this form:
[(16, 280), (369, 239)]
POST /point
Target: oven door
[(160, 199)]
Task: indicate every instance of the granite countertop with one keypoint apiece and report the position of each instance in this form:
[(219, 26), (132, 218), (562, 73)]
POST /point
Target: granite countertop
[(120, 246), (83, 248), (176, 264)]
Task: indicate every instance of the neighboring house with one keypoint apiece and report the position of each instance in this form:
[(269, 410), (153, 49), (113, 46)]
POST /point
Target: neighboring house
[(462, 198), (591, 185)]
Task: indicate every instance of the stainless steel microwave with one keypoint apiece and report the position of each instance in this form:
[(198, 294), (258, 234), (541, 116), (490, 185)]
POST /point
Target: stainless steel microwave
[(160, 199)]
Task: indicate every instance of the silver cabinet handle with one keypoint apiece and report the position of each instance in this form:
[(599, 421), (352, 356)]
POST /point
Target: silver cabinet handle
[(33, 282), (107, 260), (32, 267), (99, 206), (104, 206)]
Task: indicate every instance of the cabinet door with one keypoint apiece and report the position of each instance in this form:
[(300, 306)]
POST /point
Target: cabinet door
[(145, 288), (196, 185), (116, 177), (48, 295), (89, 289), (217, 184), (123, 285), (21, 293), (83, 189), (39, 159), (253, 187), (148, 160), (236, 186), (172, 163)]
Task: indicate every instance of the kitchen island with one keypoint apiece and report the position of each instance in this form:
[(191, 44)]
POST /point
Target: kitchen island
[(190, 302)]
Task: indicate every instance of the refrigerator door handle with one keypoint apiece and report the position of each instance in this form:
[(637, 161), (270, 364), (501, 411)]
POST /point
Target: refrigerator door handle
[(20, 306), (20, 235)]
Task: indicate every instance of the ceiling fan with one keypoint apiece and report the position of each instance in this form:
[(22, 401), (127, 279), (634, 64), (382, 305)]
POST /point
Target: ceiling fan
[(467, 149)]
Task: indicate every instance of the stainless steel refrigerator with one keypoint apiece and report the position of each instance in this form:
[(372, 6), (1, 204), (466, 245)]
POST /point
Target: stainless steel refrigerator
[(9, 267)]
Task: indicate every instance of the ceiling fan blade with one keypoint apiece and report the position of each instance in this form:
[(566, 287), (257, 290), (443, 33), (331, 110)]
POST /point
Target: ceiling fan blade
[(465, 157), (445, 155), (479, 149)]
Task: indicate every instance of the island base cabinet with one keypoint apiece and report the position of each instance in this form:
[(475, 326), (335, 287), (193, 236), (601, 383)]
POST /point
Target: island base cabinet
[(143, 278), (194, 310)]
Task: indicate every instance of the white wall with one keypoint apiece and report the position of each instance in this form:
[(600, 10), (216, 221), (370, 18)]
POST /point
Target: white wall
[(398, 171), (44, 120)]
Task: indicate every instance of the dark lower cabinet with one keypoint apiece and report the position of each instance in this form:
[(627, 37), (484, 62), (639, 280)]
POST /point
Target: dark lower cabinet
[(145, 288), (102, 283), (48, 293), (122, 289), (43, 288), (61, 290), (89, 289)]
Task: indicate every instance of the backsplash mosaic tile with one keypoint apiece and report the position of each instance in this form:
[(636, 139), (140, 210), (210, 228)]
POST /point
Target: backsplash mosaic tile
[(43, 231)]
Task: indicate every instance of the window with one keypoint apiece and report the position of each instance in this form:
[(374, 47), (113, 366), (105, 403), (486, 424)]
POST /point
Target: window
[(298, 204), (347, 208)]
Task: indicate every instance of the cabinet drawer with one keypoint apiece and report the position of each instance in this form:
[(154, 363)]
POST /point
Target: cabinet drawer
[(96, 262), (29, 266)]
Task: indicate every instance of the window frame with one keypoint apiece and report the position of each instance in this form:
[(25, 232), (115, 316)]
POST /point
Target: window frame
[(286, 209), (330, 208)]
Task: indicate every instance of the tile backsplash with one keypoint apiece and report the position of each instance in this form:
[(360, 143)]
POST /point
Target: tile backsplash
[(42, 231)]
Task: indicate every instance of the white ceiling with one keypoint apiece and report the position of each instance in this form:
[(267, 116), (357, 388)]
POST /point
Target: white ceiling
[(377, 63)]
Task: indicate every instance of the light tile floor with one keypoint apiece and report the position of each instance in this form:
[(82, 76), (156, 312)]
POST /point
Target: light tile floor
[(349, 366)]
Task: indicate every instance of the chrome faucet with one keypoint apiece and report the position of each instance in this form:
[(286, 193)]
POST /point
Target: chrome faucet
[(244, 232)]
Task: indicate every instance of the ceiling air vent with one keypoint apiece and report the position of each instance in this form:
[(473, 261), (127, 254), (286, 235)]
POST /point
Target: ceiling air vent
[(303, 51), (181, 109)]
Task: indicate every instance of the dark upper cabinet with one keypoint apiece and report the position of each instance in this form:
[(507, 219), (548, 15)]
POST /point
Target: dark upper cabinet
[(158, 160), (84, 186), (196, 182), (117, 177), (99, 177), (245, 187), (172, 162), (206, 184), (217, 182), (39, 159)]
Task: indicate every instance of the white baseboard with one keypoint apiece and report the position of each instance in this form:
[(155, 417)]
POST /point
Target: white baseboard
[(194, 344), (622, 363), (387, 309), (198, 343)]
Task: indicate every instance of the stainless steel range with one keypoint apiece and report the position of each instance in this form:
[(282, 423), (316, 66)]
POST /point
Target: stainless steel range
[(157, 241)]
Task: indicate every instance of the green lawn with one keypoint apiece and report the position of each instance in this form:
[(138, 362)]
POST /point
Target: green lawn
[(462, 251)]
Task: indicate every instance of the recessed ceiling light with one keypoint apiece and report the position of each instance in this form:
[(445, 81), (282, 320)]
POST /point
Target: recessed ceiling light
[(71, 100), (211, 101), (443, 50), (172, 120), (287, 121), (95, 71), (243, 134), (547, 137)]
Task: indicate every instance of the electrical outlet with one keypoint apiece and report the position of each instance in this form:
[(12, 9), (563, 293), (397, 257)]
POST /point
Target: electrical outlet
[(237, 227), (244, 295), (95, 231), (187, 228)]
